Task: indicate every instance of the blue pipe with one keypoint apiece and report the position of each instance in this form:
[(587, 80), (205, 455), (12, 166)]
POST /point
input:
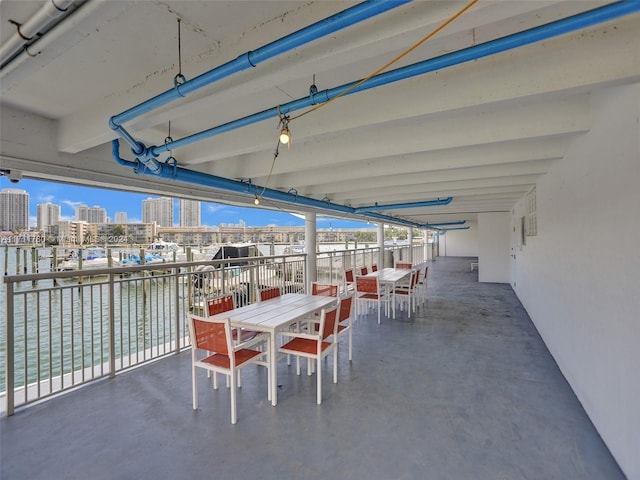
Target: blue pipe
[(526, 37), (427, 203), (174, 172), (442, 224), (346, 18), (147, 156)]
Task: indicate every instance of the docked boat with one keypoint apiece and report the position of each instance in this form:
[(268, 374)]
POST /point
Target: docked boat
[(148, 259), (92, 258), (168, 251)]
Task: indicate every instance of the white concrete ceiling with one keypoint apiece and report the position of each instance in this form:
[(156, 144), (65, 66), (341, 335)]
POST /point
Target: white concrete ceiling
[(481, 132)]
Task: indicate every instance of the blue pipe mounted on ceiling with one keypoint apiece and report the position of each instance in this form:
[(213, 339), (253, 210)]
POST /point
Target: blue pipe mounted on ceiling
[(148, 156), (346, 18), (174, 172), (526, 37), (395, 206), (443, 224), (442, 231)]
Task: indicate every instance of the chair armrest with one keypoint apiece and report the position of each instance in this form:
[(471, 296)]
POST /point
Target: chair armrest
[(261, 337), (300, 335)]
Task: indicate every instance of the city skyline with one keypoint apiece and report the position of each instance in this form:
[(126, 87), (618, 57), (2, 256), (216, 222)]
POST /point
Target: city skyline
[(71, 196)]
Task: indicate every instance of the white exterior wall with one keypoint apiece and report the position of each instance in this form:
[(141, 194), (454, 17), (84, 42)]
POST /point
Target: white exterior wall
[(460, 243), (582, 294), (493, 246)]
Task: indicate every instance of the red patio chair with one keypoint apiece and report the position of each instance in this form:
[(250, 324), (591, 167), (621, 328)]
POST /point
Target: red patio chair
[(407, 293), (224, 303), (368, 292), (422, 284), (269, 293), (213, 349), (403, 265), (328, 290), (345, 323), (349, 280), (316, 345)]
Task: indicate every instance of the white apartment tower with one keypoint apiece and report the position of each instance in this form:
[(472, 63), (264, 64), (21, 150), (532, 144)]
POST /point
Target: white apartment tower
[(121, 218), (158, 210), (82, 213), (96, 214), (14, 209), (189, 213), (47, 214)]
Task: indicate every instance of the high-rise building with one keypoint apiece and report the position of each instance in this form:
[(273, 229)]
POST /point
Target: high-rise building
[(96, 214), (47, 214), (158, 210), (14, 209), (121, 218), (82, 213), (189, 213)]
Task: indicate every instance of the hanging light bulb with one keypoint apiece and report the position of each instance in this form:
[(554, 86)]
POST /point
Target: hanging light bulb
[(285, 136), (256, 200)]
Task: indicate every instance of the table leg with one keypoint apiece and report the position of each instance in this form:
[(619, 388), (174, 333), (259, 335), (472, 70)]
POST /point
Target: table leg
[(273, 370), (393, 299)]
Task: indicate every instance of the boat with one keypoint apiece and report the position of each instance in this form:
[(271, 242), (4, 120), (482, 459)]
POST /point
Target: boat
[(294, 250), (148, 259), (92, 258), (169, 251)]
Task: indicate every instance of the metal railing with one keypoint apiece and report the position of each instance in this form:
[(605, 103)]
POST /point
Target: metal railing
[(66, 329)]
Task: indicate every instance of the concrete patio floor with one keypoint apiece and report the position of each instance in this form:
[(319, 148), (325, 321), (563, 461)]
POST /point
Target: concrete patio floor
[(465, 389)]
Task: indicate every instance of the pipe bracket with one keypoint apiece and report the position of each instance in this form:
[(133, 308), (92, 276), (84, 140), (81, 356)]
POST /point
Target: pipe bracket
[(172, 163), (247, 58), (178, 81), (20, 34), (313, 89)]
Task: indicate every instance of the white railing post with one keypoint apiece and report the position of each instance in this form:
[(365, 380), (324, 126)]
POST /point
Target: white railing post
[(9, 352), (112, 328), (176, 273)]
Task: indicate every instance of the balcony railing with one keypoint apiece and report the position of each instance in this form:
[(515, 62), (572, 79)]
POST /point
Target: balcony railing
[(66, 329)]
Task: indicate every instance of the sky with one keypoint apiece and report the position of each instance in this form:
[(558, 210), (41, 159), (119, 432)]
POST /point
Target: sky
[(70, 196)]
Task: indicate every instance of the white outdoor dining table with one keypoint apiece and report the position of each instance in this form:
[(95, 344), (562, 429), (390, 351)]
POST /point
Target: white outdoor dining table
[(273, 316), (391, 277)]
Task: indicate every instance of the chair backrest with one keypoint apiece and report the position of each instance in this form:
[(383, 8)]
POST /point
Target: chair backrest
[(374, 268), (221, 304), (211, 335), (326, 290), (330, 321), (423, 276), (403, 265), (364, 271), (348, 275), (345, 308), (268, 293), (367, 284), (414, 278)]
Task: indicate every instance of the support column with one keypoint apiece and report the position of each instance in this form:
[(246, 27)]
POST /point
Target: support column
[(380, 238), (425, 245), (410, 238), (310, 248)]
